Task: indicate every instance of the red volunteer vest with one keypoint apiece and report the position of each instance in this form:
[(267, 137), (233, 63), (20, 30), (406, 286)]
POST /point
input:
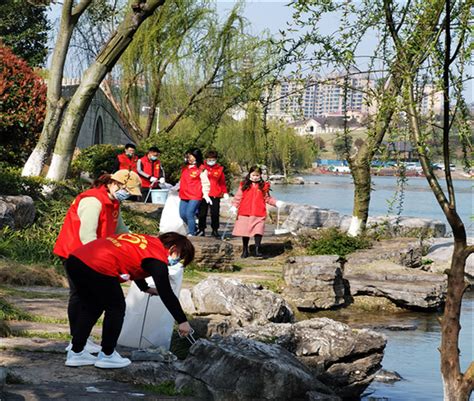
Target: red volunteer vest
[(217, 180), (122, 254), (190, 187), (127, 163), (68, 239), (253, 201), (150, 167)]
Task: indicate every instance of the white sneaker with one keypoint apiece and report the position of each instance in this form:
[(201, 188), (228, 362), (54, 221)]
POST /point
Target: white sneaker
[(83, 358), (91, 347), (111, 361)]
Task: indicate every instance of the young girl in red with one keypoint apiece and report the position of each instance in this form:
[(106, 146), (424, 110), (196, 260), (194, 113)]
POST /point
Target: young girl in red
[(250, 206)]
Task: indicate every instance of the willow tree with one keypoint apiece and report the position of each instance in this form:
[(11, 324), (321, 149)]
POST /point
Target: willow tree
[(74, 116), (63, 120), (449, 57), (55, 102)]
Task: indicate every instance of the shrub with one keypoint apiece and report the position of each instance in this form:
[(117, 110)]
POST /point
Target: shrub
[(23, 100), (95, 160), (12, 183), (334, 242)]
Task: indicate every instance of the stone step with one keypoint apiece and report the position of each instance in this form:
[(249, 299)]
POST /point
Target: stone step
[(19, 326)]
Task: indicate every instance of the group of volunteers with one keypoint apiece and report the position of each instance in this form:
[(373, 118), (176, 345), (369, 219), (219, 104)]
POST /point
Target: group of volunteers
[(99, 253)]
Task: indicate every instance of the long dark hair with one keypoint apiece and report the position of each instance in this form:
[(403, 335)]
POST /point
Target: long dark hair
[(196, 152), (183, 245), (247, 182)]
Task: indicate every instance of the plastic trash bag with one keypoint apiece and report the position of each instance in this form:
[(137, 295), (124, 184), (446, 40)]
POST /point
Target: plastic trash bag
[(158, 327), (170, 220)]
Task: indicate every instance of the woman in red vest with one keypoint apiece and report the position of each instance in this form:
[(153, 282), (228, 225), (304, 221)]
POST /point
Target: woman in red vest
[(98, 268), (128, 159), (94, 214), (250, 206), (193, 187)]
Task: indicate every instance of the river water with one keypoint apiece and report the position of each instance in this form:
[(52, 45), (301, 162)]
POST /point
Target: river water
[(413, 354)]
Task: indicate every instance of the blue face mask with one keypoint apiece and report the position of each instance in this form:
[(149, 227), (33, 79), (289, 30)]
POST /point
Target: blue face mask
[(122, 195), (173, 261)]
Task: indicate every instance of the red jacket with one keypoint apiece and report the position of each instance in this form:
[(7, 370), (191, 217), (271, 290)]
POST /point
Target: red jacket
[(68, 239), (127, 163), (122, 254), (217, 179), (190, 187), (150, 167), (253, 201)]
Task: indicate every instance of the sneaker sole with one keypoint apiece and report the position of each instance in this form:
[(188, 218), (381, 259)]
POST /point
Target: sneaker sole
[(106, 365), (74, 364)]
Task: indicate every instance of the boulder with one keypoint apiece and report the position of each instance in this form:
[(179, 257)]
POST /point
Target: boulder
[(3, 378), (212, 253), (244, 304), (16, 211), (344, 359), (238, 369), (305, 216), (149, 210), (145, 373), (440, 253), (407, 288), (315, 282), (403, 251)]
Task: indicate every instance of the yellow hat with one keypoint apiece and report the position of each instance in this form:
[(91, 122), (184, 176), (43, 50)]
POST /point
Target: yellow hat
[(130, 179)]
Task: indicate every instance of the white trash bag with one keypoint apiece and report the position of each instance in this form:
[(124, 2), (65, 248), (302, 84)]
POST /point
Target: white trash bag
[(158, 327), (170, 219)]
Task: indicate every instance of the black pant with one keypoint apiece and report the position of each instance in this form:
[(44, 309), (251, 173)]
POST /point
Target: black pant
[(97, 293), (145, 192), (74, 303), (215, 207)]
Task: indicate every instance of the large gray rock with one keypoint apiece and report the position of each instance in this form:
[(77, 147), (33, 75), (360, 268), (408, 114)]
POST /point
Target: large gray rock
[(239, 369), (441, 252), (213, 253), (407, 288), (16, 211), (403, 251), (342, 358), (243, 303), (305, 216), (315, 282)]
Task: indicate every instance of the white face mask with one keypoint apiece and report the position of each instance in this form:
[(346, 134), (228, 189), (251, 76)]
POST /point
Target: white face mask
[(211, 162), (253, 179)]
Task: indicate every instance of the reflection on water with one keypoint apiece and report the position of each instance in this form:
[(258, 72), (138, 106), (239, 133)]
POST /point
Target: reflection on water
[(336, 192)]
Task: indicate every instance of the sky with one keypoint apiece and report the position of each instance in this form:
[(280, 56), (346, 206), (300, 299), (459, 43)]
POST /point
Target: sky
[(264, 15)]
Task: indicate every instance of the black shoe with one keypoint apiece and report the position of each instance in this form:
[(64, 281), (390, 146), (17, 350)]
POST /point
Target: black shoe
[(245, 253), (258, 254), (200, 233), (215, 234)]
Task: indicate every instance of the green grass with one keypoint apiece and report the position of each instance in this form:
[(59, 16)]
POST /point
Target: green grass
[(42, 334), (10, 312)]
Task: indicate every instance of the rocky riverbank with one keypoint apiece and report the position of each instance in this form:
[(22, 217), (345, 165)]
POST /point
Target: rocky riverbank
[(255, 338)]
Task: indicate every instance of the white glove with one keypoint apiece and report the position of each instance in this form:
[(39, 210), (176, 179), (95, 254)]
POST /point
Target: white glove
[(279, 204), (153, 179), (162, 180), (226, 196), (233, 210), (207, 199)]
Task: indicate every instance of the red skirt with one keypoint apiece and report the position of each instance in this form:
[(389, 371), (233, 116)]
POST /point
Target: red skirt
[(248, 226)]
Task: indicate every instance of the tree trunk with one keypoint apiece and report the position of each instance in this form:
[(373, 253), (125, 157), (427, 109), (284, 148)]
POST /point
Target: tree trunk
[(91, 80), (55, 104), (420, 41), (362, 181), (457, 387)]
